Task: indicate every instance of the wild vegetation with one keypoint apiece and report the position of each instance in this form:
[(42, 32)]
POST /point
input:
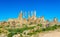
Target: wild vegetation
[(10, 32)]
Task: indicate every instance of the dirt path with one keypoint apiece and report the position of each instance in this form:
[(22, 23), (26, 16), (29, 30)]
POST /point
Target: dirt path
[(50, 34)]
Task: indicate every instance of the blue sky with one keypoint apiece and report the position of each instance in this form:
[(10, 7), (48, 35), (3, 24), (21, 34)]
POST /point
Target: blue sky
[(47, 8)]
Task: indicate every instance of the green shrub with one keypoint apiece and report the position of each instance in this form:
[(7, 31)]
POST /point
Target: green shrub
[(20, 30), (51, 28), (11, 34), (39, 25)]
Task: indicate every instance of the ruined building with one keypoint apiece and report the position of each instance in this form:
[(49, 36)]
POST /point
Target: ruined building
[(32, 20)]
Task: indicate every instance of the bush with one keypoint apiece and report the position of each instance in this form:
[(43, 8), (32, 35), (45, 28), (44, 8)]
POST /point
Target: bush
[(51, 28), (39, 25), (11, 34)]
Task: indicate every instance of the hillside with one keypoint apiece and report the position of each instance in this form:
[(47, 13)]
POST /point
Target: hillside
[(30, 31)]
